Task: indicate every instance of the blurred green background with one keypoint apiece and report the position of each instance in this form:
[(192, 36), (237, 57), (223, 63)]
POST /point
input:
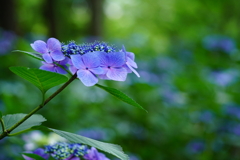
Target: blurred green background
[(188, 59)]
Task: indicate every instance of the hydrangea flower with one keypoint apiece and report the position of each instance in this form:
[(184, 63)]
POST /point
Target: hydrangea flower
[(38, 151), (65, 151), (88, 66), (93, 154), (89, 61), (50, 51)]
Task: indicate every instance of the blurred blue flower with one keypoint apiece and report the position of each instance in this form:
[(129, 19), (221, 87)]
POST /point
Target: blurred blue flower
[(95, 133), (219, 43), (38, 151), (232, 110), (206, 116), (236, 129), (195, 146), (224, 78), (7, 40)]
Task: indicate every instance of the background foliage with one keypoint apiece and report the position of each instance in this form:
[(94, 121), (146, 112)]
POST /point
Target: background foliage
[(188, 58)]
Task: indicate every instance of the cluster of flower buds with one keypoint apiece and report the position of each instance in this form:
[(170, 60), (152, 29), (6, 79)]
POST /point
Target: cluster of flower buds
[(90, 62), (65, 151)]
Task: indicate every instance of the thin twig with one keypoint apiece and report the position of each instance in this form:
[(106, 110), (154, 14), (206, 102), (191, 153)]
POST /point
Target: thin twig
[(6, 132)]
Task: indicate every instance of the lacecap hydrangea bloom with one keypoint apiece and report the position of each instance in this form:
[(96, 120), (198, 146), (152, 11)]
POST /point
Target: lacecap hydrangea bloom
[(66, 151), (91, 62)]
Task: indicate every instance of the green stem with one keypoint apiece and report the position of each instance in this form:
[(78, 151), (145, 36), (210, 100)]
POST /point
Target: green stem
[(2, 124), (7, 132)]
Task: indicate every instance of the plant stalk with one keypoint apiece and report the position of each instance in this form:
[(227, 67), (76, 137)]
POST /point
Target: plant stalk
[(8, 131)]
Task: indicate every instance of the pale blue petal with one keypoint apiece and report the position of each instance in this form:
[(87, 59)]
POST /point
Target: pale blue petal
[(103, 58), (65, 61), (130, 55), (134, 71), (116, 59), (127, 68), (131, 62), (103, 76), (39, 46), (87, 78), (77, 61), (47, 58), (91, 59), (117, 74), (97, 70), (72, 69), (57, 55), (53, 44)]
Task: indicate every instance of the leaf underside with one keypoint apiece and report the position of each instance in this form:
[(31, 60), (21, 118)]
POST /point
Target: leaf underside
[(120, 95), (11, 119), (116, 150)]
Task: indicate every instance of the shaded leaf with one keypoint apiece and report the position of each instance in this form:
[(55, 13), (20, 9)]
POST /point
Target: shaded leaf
[(0, 114), (120, 95), (116, 150), (44, 80), (33, 55), (11, 119), (35, 156)]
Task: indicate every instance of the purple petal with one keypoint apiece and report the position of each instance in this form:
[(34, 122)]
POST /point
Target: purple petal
[(53, 44), (72, 69), (123, 48), (57, 55), (91, 59), (117, 59), (127, 68), (87, 78), (130, 55), (48, 67), (47, 58), (103, 76), (114, 59), (65, 61), (77, 61), (97, 70), (60, 70), (39, 46), (131, 62), (134, 71), (117, 74)]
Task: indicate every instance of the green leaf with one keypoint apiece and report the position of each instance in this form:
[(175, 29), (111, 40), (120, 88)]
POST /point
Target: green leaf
[(11, 119), (120, 95), (107, 147), (44, 80), (0, 115), (33, 55), (35, 156)]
